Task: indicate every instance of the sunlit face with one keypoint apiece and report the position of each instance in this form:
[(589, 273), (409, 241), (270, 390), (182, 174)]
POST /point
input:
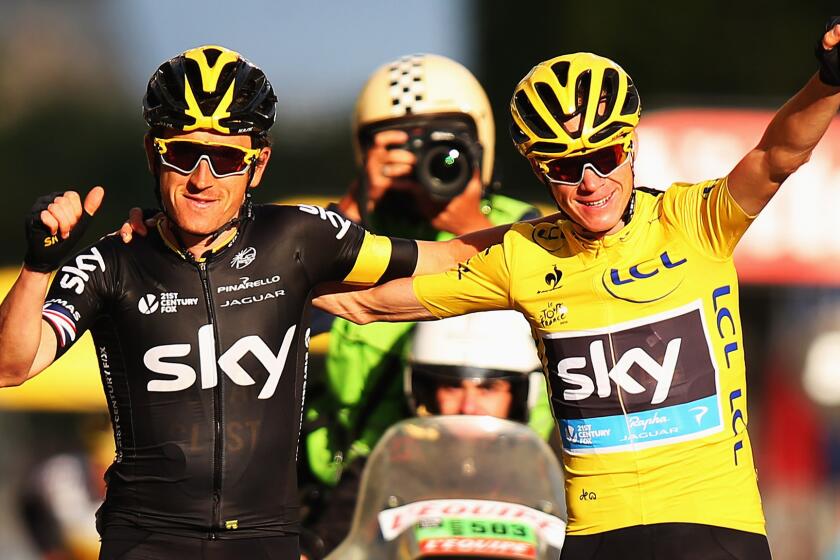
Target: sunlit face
[(596, 204), (490, 397), (199, 202)]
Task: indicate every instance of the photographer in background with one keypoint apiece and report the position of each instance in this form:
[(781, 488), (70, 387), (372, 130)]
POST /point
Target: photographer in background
[(424, 140)]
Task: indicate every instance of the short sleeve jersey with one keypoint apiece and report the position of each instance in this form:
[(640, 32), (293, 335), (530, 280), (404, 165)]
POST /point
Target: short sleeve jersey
[(203, 363), (641, 343)]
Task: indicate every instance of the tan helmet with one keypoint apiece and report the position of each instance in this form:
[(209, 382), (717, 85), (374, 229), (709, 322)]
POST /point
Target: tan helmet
[(426, 84)]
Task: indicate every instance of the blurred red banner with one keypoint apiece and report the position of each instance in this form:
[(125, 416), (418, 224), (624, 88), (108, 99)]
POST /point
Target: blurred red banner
[(796, 239)]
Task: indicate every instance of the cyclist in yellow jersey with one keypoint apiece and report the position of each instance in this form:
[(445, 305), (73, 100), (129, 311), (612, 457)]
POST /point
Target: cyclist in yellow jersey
[(633, 298)]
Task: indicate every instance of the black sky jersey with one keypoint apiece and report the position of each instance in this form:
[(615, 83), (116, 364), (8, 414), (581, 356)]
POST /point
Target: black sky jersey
[(204, 363)]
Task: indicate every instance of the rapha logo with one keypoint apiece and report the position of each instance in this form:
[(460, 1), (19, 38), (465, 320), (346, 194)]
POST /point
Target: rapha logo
[(552, 280), (700, 412), (243, 258), (148, 304)]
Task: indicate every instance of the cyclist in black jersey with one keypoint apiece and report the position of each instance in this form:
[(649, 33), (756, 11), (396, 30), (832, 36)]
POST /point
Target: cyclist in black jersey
[(199, 327)]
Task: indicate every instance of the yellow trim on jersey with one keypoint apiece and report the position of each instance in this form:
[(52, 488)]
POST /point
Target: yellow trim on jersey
[(209, 80), (373, 259), (223, 240)]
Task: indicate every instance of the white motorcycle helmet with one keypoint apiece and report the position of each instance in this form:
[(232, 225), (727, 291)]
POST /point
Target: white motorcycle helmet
[(489, 345)]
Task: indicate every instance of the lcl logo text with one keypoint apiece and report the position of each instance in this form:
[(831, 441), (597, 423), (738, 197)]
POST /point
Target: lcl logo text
[(635, 272)]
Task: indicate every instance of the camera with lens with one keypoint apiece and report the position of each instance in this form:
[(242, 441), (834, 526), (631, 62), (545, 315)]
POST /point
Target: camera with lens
[(447, 150)]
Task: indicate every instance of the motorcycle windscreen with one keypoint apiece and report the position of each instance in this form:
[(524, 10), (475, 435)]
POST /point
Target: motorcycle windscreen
[(458, 487)]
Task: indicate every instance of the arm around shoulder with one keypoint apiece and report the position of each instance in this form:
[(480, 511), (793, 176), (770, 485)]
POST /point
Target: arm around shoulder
[(393, 301), (440, 256)]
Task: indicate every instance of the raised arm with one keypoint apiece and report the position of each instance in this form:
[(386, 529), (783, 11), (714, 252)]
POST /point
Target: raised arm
[(27, 343), (793, 133)]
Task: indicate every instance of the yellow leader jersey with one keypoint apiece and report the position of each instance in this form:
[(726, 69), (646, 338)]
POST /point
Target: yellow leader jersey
[(640, 338)]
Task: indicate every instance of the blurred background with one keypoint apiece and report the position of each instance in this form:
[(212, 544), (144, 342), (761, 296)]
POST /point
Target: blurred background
[(72, 76)]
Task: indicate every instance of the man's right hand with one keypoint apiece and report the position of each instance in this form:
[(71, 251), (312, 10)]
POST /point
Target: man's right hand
[(136, 224), (388, 167), (54, 225)]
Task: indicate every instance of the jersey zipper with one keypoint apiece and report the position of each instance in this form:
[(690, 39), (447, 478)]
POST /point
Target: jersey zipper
[(218, 411)]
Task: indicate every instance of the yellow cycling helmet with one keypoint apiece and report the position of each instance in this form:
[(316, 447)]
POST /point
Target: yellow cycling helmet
[(211, 88), (584, 85), (425, 85)]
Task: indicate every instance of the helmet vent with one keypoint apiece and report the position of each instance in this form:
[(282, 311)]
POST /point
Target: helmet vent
[(549, 99), (534, 121), (561, 71), (609, 89), (212, 55), (631, 100), (608, 131), (548, 148), (518, 136)]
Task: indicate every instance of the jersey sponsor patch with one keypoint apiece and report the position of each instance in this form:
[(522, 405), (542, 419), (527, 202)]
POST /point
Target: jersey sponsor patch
[(75, 276), (62, 319), (178, 376), (243, 258), (337, 220), (167, 302), (548, 236), (643, 383), (646, 281)]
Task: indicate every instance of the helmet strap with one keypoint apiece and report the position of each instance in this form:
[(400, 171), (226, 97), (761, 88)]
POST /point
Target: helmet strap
[(631, 204)]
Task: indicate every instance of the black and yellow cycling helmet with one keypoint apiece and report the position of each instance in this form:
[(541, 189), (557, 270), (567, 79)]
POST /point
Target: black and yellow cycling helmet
[(210, 88), (556, 91)]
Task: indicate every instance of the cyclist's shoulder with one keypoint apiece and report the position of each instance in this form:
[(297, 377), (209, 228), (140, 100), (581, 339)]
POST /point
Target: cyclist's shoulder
[(307, 217), (541, 236), (107, 248)]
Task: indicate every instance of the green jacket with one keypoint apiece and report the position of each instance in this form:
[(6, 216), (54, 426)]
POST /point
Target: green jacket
[(359, 404)]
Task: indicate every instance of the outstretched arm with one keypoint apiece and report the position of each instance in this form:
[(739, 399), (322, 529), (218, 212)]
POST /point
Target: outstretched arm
[(440, 256), (393, 301), (27, 343), (791, 136)]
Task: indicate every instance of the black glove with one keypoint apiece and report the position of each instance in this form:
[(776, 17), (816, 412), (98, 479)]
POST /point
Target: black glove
[(829, 60), (46, 251)]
